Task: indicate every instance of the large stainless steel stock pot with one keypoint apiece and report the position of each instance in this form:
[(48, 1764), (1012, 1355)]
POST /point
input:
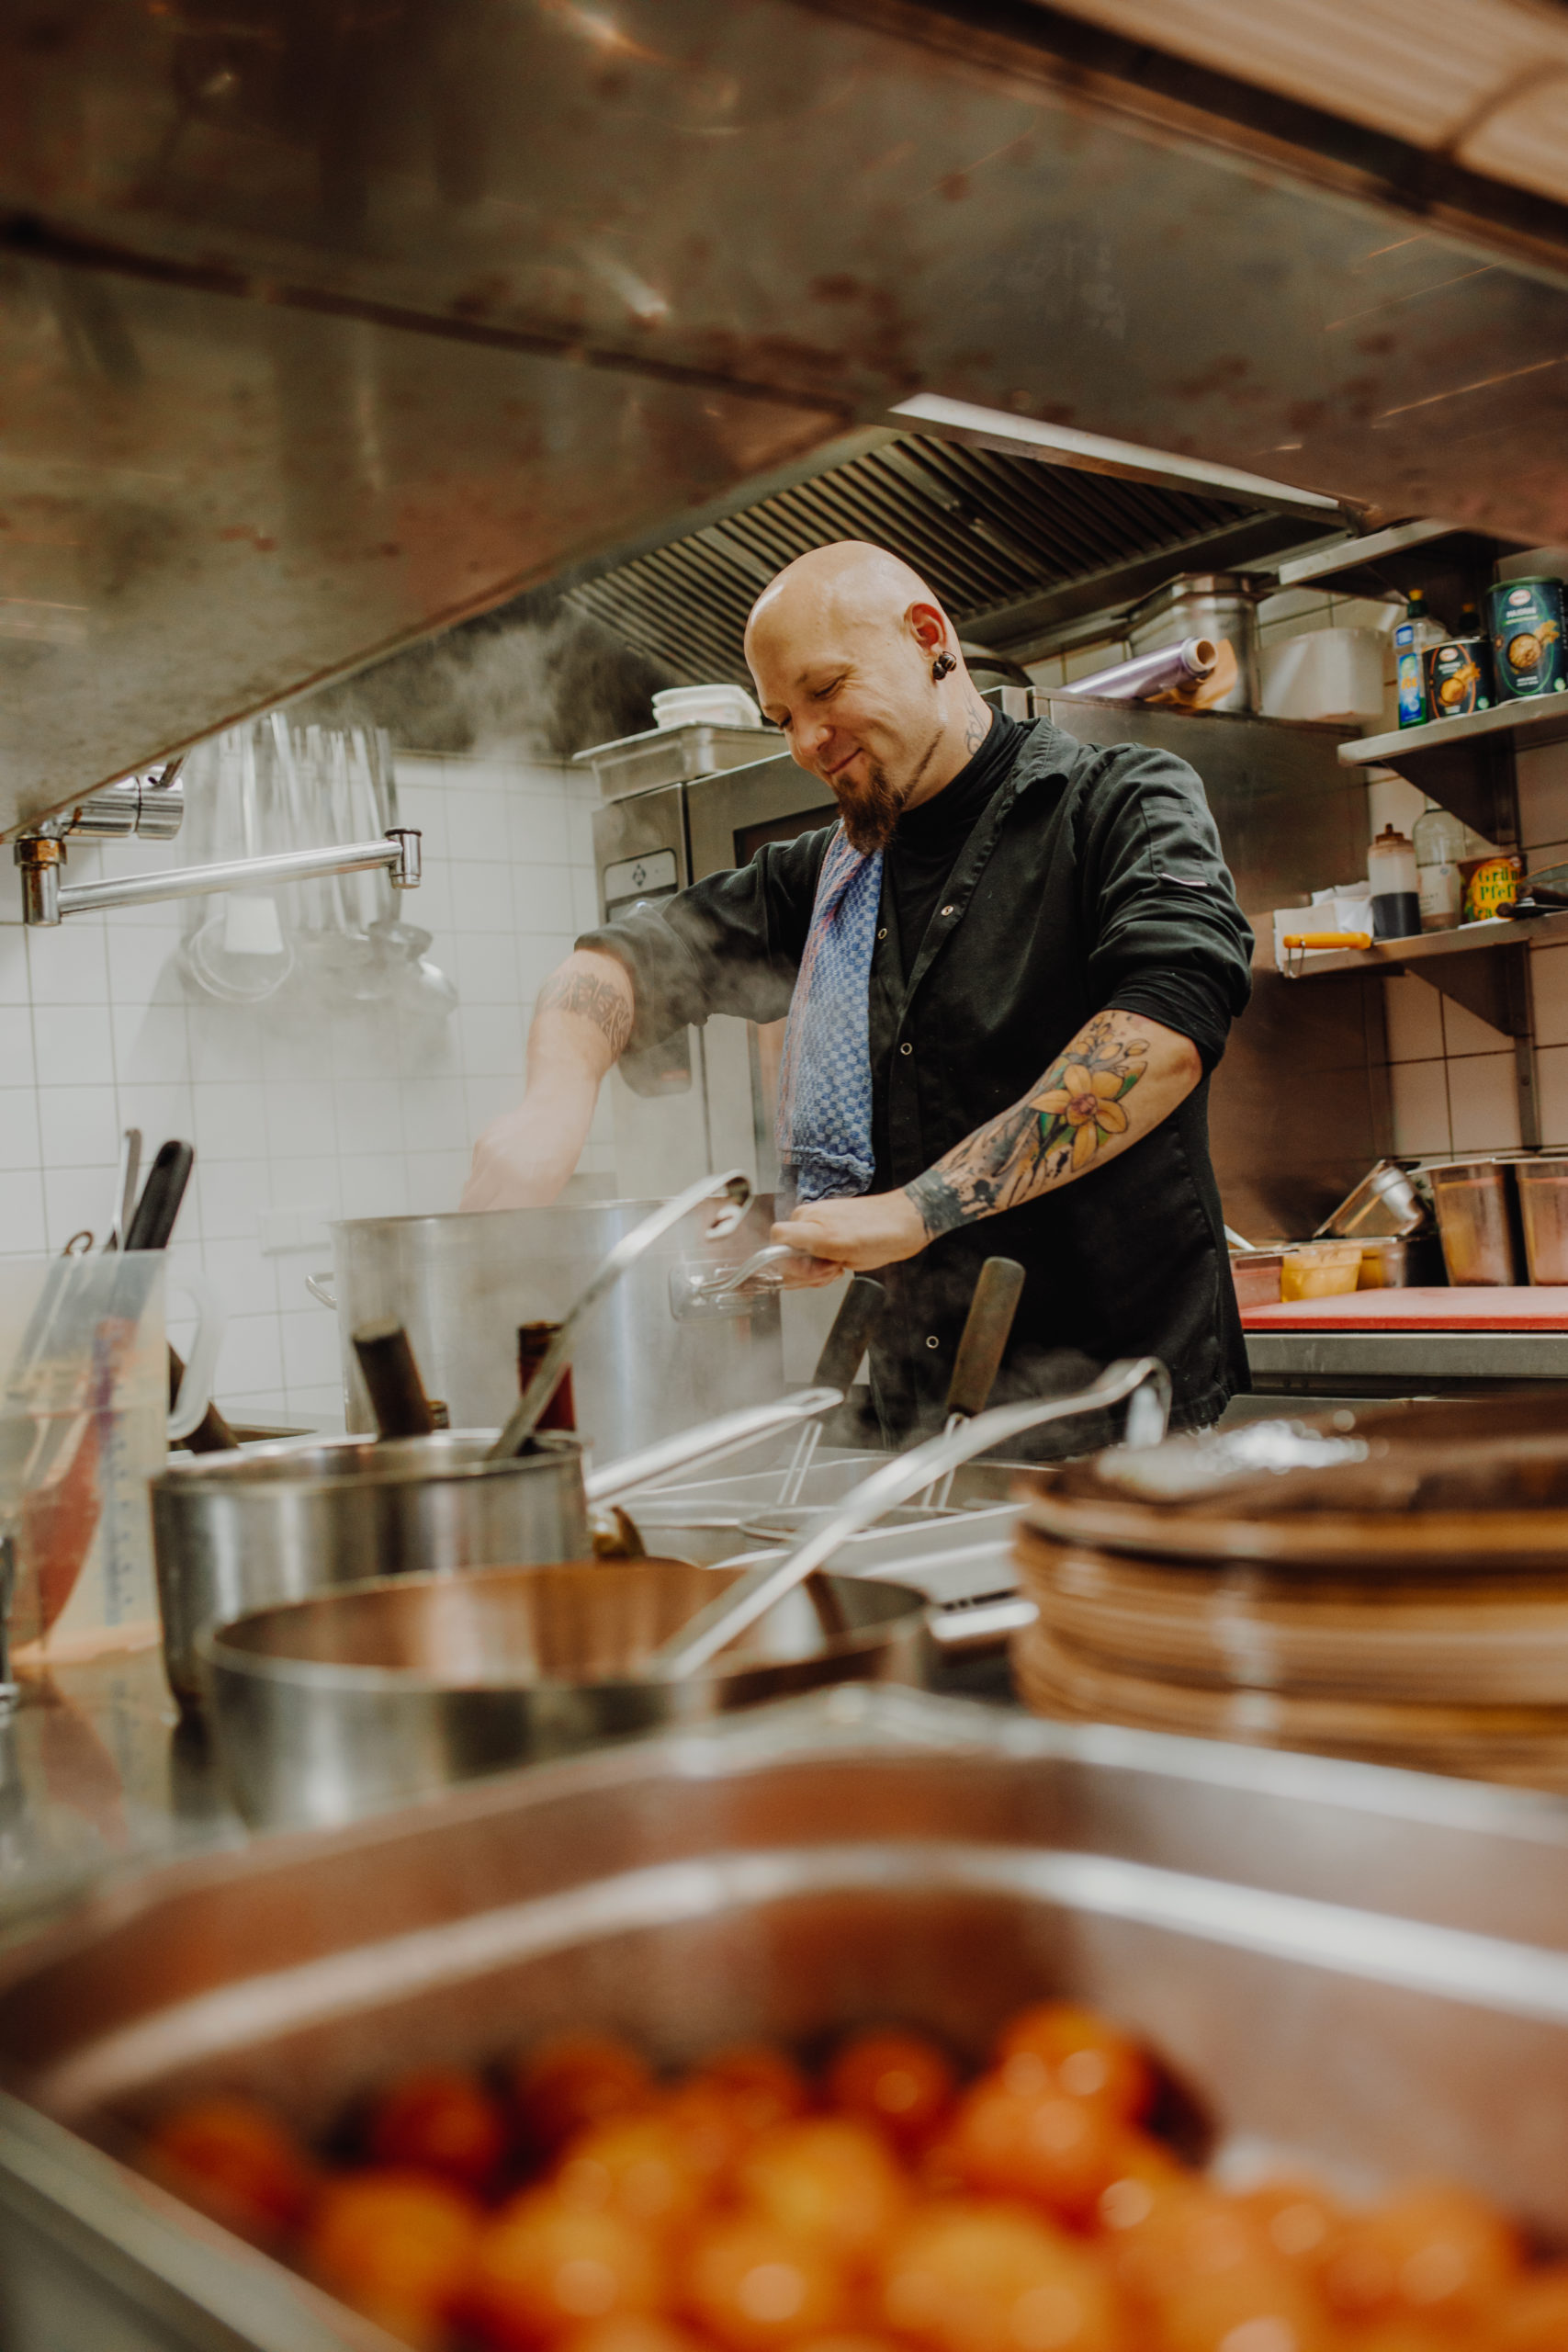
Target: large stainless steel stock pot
[(461, 1284)]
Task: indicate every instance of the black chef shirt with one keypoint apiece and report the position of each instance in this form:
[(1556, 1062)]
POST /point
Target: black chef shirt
[(1090, 878), (925, 849)]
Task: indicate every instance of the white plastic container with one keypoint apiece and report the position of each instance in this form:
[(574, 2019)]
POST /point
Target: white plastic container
[(720, 706), (1327, 674), (1391, 869)]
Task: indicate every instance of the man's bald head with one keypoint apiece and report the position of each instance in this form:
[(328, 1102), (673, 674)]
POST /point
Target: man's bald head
[(849, 583), (855, 658)]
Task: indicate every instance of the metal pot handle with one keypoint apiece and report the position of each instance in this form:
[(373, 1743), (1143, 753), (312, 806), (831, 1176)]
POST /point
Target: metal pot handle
[(317, 1286), (708, 1442), (737, 1609)]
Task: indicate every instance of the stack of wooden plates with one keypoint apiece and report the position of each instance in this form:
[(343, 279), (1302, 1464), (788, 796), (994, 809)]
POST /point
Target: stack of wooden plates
[(1389, 1585)]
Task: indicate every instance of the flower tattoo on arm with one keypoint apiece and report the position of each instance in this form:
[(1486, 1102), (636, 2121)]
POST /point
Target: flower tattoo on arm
[(1077, 1110)]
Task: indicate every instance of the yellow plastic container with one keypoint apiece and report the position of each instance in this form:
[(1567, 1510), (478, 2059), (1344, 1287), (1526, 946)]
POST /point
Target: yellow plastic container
[(1320, 1270)]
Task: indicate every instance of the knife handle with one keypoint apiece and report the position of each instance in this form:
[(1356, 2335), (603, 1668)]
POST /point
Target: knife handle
[(986, 1331), (391, 1377), (860, 1310), (153, 1220)]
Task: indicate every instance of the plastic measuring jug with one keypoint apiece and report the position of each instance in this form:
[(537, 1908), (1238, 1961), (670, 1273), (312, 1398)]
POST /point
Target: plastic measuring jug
[(85, 1424)]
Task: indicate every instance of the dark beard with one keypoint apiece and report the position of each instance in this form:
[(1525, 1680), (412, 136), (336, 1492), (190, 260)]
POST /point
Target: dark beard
[(870, 811)]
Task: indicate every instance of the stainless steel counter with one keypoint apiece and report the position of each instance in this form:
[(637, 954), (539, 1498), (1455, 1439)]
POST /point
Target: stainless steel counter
[(1336, 1363), (99, 1776)]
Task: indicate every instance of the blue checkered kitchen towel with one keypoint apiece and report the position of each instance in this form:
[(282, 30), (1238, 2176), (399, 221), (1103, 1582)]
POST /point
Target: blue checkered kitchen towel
[(823, 1123)]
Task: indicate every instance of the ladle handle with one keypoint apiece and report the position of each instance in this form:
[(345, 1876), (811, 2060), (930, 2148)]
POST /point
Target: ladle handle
[(626, 1251), (707, 1443), (860, 1311), (391, 1380), (986, 1331), (737, 1609)]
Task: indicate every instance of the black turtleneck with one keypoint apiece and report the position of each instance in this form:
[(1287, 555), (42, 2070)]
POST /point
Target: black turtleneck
[(925, 848)]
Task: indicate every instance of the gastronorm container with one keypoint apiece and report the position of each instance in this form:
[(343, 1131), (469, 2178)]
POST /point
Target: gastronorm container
[(1256, 1273), (1362, 1969), (1320, 1269), (1400, 1262), (1475, 1221), (1544, 1212)]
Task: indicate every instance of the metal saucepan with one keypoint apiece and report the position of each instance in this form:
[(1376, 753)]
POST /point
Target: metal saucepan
[(326, 1708), (236, 1532)]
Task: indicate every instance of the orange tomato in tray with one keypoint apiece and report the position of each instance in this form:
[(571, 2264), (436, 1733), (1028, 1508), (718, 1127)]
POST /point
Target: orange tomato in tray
[(763, 2085), (642, 2167), (397, 2246), (545, 2267), (974, 2277), (899, 2081), (1058, 2152), (234, 2160), (1075, 2051), (755, 2286), (576, 2079), (827, 2178), (441, 2120), (1435, 2252), (882, 2207)]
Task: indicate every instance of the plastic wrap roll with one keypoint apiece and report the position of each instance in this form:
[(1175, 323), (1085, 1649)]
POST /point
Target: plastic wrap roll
[(1167, 667)]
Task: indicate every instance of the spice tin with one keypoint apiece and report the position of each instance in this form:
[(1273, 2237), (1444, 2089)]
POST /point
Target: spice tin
[(1490, 884), (1526, 621), (1459, 677)]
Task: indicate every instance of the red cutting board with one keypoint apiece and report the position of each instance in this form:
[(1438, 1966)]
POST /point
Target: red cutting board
[(1543, 1309)]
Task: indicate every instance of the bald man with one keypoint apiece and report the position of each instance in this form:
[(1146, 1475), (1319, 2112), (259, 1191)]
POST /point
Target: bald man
[(1009, 969)]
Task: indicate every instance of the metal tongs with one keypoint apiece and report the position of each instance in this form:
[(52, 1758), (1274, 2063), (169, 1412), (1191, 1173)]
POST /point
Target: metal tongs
[(733, 1185), (737, 1610)]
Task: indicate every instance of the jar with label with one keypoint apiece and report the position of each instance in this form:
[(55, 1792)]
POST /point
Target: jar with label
[(1391, 870), (1441, 844)]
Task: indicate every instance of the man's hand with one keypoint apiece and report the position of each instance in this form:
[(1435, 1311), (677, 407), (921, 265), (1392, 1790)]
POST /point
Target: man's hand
[(859, 1234)]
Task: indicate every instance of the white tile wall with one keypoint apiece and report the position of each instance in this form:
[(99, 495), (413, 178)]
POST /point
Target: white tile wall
[(292, 1108), (1452, 1076)]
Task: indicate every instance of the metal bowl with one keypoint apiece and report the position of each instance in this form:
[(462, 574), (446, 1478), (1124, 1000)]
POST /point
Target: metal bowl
[(233, 1531), (331, 1707)]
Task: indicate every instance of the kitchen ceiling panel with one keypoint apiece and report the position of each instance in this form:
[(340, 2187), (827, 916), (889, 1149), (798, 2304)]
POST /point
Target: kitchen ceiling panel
[(324, 325)]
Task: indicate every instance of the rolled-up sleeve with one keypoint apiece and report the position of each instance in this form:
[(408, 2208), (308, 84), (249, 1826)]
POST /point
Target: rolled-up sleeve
[(730, 944), (1168, 937)]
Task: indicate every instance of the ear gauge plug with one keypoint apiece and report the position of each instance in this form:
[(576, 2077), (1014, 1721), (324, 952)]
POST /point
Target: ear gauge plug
[(944, 664)]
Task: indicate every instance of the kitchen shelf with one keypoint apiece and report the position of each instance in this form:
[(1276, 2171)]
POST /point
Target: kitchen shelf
[(1542, 719), (1437, 947), (1446, 561)]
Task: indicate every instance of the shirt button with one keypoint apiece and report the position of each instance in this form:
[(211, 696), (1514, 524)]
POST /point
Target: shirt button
[(950, 911), (882, 932), (932, 1340), (906, 1048)]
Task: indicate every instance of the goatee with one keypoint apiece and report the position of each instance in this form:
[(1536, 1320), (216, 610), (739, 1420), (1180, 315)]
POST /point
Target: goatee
[(870, 811)]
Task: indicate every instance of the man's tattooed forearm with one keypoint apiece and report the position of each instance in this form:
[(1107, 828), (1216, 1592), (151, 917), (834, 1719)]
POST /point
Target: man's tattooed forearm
[(1049, 1138), (598, 1000)]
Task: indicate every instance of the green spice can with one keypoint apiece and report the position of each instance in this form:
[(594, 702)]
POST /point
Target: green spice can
[(1525, 617)]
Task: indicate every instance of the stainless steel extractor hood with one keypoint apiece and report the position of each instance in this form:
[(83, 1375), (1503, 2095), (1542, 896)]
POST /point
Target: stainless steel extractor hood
[(1009, 544), (325, 327)]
